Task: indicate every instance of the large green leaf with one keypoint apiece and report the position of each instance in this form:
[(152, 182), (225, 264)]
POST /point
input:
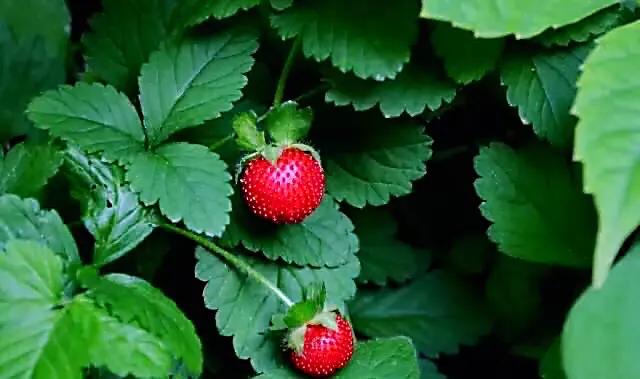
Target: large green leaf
[(245, 306), (196, 11), (607, 139), (111, 210), (323, 239), (183, 86), (190, 182), (136, 302), (601, 338), (382, 256), (532, 196), (350, 33), (542, 84), (438, 311), (415, 89), (93, 116), (25, 220), (123, 36), (27, 167), (373, 159), (524, 18), (465, 57)]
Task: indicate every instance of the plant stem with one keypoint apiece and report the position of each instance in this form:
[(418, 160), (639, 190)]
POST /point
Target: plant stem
[(221, 141), (277, 98), (312, 92), (229, 258)]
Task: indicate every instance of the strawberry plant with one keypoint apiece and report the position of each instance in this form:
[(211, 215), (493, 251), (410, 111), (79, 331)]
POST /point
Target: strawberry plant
[(294, 188)]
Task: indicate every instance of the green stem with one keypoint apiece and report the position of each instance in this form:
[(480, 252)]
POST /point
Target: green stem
[(229, 258), (214, 146), (277, 98), (312, 92)]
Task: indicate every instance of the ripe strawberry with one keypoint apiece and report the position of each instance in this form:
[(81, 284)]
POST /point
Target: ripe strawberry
[(324, 350), (286, 191)]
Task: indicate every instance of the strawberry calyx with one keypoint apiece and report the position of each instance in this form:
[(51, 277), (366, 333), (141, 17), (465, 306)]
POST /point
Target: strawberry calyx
[(295, 338)]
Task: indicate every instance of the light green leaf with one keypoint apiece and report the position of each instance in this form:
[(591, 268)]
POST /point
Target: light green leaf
[(287, 124), (542, 86), (183, 86), (415, 89), (607, 139), (93, 116), (532, 196), (23, 219), (351, 33), (190, 182), (27, 167), (465, 57), (374, 160), (323, 239), (382, 256), (123, 36), (245, 306), (438, 311), (111, 211), (601, 338), (134, 301), (524, 18)]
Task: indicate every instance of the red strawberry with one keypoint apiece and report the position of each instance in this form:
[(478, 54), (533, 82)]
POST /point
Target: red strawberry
[(286, 191), (325, 350)]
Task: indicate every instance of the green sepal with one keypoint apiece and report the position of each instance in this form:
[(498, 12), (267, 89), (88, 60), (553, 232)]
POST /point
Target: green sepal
[(287, 124), (248, 137), (305, 311)]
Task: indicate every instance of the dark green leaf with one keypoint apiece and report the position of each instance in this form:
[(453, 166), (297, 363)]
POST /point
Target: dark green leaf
[(428, 370), (551, 363), (27, 167)]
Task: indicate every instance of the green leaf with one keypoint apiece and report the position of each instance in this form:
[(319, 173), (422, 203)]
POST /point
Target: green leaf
[(27, 167), (136, 302), (607, 138), (183, 86), (93, 116), (524, 18), (36, 340), (248, 137), (601, 338), (200, 10), (281, 4), (24, 219), (428, 370), (303, 311), (542, 85), (190, 182), (466, 58), (471, 253), (123, 36), (438, 311), (351, 33), (551, 363), (412, 91), (323, 239), (111, 210), (287, 124), (374, 160), (382, 256), (532, 196), (245, 306)]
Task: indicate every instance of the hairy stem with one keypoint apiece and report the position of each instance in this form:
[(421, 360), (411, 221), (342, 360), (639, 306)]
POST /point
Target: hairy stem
[(230, 258), (214, 146), (277, 98)]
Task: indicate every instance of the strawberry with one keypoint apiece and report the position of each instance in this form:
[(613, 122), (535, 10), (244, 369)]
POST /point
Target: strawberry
[(324, 350), (285, 191)]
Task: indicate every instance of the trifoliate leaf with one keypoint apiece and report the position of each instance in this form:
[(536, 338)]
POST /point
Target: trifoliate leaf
[(93, 116), (607, 139), (27, 167), (438, 311), (111, 210), (601, 338), (287, 124), (245, 306), (190, 183), (373, 159), (415, 89), (183, 86), (134, 301), (382, 256), (532, 196), (25, 220), (524, 18), (542, 86), (323, 239), (465, 57), (351, 34), (123, 36)]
